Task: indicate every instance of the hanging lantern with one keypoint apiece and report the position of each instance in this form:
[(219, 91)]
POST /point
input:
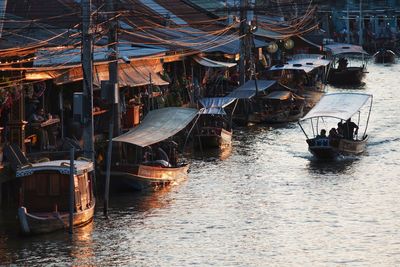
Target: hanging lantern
[(288, 44), (272, 48)]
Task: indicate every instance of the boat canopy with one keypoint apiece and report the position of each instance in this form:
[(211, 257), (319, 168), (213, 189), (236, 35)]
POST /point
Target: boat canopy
[(338, 105), (282, 95), (212, 63), (61, 166), (158, 125), (249, 89), (305, 64), (340, 49), (215, 105)]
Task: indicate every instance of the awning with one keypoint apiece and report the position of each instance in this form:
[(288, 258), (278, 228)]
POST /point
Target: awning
[(215, 105), (339, 49), (158, 125), (248, 90), (305, 64), (131, 75), (212, 63), (338, 105)]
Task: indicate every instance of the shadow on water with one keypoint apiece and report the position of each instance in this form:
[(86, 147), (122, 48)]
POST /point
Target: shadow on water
[(340, 165)]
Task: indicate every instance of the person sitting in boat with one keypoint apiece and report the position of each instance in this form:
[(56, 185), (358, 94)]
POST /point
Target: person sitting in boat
[(342, 63), (334, 137), (348, 129), (322, 134)]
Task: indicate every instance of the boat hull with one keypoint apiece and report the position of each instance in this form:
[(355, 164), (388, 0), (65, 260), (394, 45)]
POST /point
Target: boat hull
[(348, 76), (384, 57), (323, 149), (218, 138), (143, 177), (41, 223)]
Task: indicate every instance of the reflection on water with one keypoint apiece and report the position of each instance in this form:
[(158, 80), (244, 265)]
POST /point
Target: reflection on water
[(341, 165), (269, 203)]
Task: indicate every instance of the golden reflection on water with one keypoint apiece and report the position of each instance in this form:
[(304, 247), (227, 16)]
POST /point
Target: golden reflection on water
[(82, 247)]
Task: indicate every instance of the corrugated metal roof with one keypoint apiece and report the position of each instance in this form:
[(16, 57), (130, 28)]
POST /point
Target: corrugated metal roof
[(65, 56)]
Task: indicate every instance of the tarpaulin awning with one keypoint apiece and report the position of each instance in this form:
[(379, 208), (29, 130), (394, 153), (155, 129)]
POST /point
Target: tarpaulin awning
[(215, 105), (158, 125), (305, 64), (338, 105), (212, 63), (249, 89), (339, 49), (131, 75)]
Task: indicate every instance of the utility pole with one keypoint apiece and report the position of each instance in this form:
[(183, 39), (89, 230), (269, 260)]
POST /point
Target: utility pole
[(243, 41), (360, 35), (115, 122), (113, 64), (87, 67)]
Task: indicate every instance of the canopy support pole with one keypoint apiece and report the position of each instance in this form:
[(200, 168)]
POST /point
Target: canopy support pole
[(369, 113)]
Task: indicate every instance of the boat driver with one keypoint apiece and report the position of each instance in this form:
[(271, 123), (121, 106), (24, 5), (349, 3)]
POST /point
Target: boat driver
[(348, 129)]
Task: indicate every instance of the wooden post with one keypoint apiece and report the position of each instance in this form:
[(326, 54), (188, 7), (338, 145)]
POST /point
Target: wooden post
[(71, 189), (108, 163), (242, 33)]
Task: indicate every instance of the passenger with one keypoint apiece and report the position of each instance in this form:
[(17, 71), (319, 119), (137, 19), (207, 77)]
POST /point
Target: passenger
[(342, 63), (322, 134), (334, 137), (348, 129)]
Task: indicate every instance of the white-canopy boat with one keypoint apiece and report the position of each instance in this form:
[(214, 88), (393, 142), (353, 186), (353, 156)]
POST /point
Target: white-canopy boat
[(340, 72), (146, 160), (338, 108)]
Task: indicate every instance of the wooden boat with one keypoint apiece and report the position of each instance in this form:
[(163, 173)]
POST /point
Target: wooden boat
[(280, 107), (384, 56), (214, 129), (340, 73), (304, 75), (147, 159), (324, 148), (339, 107), (44, 196), (152, 175)]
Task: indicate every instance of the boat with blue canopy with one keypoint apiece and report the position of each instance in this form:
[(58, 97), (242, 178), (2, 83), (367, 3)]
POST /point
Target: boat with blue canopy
[(215, 126)]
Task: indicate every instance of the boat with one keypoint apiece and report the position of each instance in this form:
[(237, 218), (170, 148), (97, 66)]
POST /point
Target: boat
[(340, 73), (44, 195), (304, 75), (147, 160), (247, 106), (214, 129), (335, 108), (281, 107), (384, 56)]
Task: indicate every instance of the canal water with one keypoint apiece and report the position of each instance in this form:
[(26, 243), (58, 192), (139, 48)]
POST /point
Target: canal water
[(268, 204)]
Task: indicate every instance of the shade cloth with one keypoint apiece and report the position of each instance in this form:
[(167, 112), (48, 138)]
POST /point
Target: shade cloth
[(339, 48), (305, 64), (215, 105), (249, 89), (338, 105), (158, 125), (212, 63)]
